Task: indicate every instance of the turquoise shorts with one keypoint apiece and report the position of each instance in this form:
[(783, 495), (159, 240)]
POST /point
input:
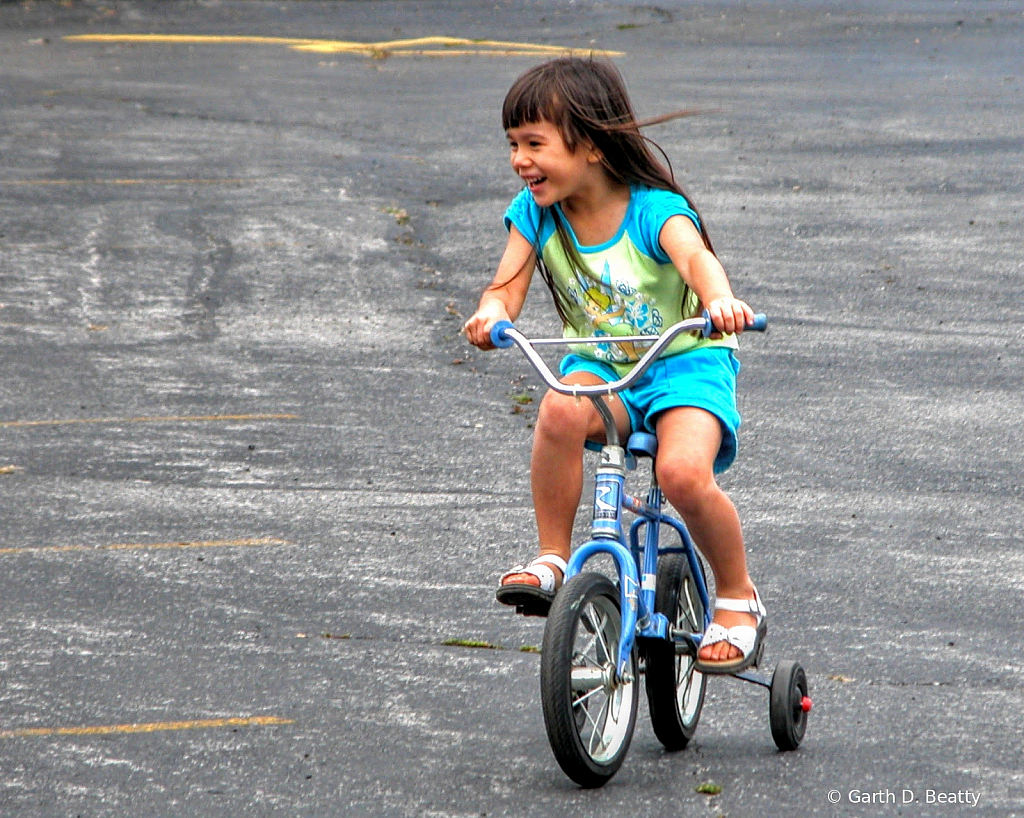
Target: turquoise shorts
[(704, 378)]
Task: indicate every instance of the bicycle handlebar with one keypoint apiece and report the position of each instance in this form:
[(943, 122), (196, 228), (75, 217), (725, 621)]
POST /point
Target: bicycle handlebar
[(504, 334)]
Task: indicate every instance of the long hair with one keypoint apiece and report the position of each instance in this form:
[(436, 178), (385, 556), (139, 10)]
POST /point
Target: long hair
[(586, 99)]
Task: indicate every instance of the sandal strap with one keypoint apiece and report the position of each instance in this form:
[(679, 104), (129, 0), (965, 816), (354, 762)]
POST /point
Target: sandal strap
[(540, 568), (751, 606), (552, 559)]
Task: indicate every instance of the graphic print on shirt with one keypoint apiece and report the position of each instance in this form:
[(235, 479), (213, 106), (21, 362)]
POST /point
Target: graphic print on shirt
[(615, 308)]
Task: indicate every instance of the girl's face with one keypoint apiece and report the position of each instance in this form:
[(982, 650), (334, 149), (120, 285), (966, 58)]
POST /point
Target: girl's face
[(541, 158)]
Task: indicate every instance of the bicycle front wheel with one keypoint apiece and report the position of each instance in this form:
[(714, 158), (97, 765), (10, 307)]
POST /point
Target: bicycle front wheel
[(675, 690), (589, 713)]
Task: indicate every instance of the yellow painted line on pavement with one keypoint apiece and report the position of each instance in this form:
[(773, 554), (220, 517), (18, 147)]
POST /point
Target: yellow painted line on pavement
[(151, 727), (17, 424), (146, 546), (436, 46), (450, 47), (419, 41), (187, 39)]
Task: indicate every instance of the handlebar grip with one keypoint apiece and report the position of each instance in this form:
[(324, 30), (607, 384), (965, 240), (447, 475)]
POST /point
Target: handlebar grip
[(498, 336), (759, 324)]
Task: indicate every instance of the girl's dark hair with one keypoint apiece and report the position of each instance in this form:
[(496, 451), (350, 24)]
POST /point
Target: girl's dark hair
[(586, 99)]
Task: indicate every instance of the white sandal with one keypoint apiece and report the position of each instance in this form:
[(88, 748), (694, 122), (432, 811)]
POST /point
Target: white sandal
[(749, 639), (531, 599)]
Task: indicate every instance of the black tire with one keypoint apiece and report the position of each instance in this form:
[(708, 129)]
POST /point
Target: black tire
[(589, 716), (675, 690), (786, 705)]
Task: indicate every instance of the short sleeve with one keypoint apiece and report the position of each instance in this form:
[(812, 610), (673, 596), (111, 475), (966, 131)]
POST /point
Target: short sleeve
[(525, 215), (652, 208)]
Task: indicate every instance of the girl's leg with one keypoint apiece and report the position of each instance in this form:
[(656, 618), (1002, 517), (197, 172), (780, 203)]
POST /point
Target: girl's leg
[(688, 442), (556, 471)]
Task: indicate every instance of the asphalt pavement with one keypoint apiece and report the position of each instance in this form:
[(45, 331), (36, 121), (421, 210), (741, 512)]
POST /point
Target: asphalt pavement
[(256, 490)]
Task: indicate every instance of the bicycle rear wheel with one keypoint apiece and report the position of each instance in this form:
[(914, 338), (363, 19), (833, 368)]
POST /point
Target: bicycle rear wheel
[(589, 714), (675, 690)]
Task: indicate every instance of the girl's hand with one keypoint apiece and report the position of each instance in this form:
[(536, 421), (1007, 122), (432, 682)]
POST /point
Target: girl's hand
[(478, 328), (729, 315)]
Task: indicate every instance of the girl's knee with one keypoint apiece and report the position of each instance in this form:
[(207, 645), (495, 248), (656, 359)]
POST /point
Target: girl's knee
[(562, 416), (686, 485)]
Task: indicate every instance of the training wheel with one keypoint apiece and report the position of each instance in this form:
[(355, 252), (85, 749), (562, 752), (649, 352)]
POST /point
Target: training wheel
[(788, 705)]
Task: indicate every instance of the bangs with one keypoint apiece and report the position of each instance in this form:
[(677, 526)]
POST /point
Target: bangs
[(531, 99)]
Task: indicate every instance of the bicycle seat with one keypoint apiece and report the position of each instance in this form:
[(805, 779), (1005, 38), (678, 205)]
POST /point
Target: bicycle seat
[(642, 444)]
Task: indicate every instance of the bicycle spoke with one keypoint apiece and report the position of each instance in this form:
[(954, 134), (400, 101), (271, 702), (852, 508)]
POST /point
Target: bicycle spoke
[(580, 705), (598, 728), (581, 700), (582, 660), (600, 634), (595, 632), (684, 675), (689, 612)]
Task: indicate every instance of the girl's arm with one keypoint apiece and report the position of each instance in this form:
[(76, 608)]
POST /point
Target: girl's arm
[(703, 273), (503, 299)]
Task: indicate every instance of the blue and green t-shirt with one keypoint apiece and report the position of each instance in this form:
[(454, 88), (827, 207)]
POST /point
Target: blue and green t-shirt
[(628, 285)]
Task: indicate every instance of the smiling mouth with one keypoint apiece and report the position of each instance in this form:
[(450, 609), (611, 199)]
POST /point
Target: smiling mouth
[(534, 183)]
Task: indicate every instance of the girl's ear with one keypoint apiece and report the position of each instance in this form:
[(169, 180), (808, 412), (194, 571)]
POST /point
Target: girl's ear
[(594, 156)]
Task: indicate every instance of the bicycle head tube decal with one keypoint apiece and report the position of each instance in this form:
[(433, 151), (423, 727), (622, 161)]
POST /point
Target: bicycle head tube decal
[(606, 501)]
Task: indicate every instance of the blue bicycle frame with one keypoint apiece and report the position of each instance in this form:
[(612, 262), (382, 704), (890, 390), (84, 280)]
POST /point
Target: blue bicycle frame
[(636, 563)]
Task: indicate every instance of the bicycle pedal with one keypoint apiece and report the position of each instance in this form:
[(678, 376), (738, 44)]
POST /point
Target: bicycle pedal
[(536, 609), (687, 648)]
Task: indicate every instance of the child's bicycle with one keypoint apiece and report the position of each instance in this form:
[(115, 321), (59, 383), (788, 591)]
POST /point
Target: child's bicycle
[(600, 637)]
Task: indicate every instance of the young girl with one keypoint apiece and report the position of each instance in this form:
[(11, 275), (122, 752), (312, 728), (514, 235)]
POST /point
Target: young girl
[(623, 252)]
